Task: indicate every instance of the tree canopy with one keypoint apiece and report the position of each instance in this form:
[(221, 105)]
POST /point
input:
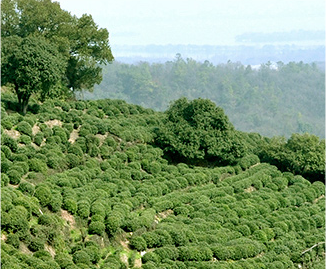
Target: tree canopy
[(32, 65), (81, 44), (265, 100), (199, 129), (302, 154)]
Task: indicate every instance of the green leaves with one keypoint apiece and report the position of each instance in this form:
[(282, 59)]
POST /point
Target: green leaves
[(302, 154), (32, 65), (29, 62), (199, 130)]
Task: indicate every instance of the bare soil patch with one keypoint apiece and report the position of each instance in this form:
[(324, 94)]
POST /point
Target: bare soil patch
[(23, 248), (52, 123), (250, 189), (68, 217), (50, 249), (12, 133), (138, 263), (35, 129), (73, 136), (3, 237), (101, 137)]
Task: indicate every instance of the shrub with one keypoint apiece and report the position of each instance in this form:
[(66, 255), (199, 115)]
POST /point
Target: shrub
[(45, 219), (43, 255), (56, 202), (80, 105), (195, 253), (170, 253), (43, 194), (87, 129), (72, 160), (25, 139), (244, 230), (163, 205), (36, 244), (181, 210), (93, 252), (93, 151), (13, 239), (105, 165), (47, 132), (6, 123), (54, 161), (76, 149), (97, 217), (4, 180), (5, 165), (110, 141), (14, 176), (150, 257), (102, 127), (105, 151), (38, 138), (138, 243), (70, 205), (24, 128), (98, 208), (6, 151), (154, 167), (83, 209), (9, 142), (81, 256), (260, 235), (112, 224), (96, 227), (319, 220), (26, 188), (319, 188), (37, 165), (64, 260), (248, 161)]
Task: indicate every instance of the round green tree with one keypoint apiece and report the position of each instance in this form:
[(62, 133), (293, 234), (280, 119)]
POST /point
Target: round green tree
[(32, 65), (197, 130)]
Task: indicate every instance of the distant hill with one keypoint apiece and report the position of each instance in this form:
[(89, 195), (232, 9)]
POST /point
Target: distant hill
[(271, 98), (251, 53)]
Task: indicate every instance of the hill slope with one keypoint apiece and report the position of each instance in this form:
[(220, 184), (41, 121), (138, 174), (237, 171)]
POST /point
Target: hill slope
[(83, 187)]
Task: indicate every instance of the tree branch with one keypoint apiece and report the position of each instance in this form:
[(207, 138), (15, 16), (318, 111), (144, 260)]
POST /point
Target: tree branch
[(315, 245)]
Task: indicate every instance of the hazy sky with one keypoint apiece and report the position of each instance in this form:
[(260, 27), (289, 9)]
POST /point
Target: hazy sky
[(212, 22)]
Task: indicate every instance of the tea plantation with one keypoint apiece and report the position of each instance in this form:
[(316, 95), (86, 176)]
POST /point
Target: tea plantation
[(85, 185)]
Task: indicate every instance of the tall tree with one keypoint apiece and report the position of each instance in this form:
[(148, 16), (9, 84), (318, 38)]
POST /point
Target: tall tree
[(32, 65), (82, 44)]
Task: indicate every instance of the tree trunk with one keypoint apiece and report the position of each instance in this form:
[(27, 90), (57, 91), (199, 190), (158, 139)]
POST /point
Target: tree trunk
[(24, 107), (23, 99)]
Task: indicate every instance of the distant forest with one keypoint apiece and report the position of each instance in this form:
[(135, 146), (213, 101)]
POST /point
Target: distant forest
[(274, 99)]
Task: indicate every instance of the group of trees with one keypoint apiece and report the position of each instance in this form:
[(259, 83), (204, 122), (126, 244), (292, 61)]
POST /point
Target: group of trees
[(265, 100), (48, 52), (301, 154), (79, 177)]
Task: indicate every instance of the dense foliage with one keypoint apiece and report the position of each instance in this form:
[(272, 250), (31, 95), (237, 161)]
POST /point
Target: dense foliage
[(199, 130), (276, 99), (32, 65), (85, 186), (66, 50)]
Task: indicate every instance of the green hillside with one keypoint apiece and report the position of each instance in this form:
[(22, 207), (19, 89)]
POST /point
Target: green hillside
[(96, 184)]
